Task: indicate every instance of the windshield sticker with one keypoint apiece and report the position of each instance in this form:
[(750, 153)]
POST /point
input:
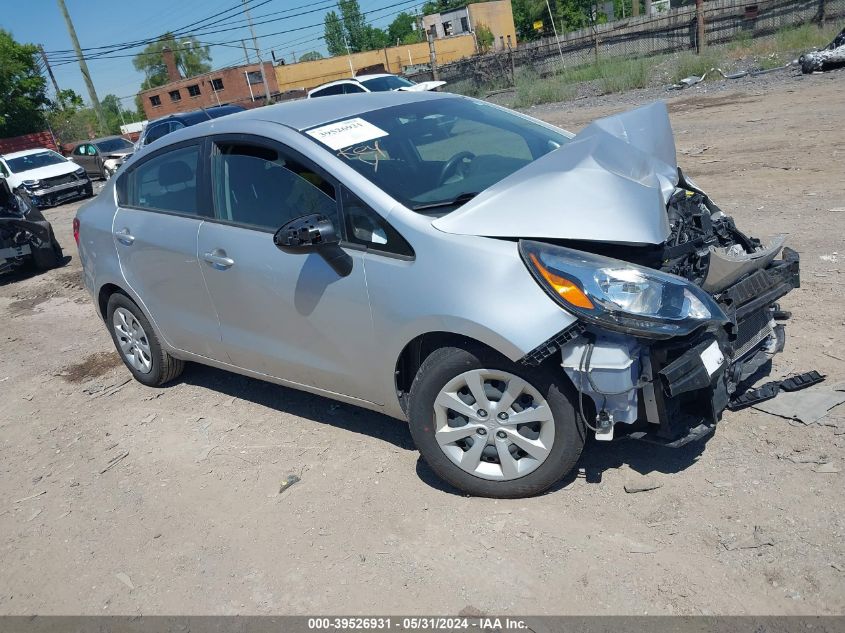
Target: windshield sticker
[(346, 133), (367, 154)]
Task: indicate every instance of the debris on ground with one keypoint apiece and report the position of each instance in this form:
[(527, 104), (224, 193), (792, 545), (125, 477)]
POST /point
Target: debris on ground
[(288, 482), (769, 390), (643, 484), (826, 468), (808, 406), (686, 82), (114, 461), (755, 540), (830, 57), (124, 578), (37, 494)]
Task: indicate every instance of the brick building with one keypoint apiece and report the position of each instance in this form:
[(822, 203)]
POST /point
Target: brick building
[(496, 15), (238, 84)]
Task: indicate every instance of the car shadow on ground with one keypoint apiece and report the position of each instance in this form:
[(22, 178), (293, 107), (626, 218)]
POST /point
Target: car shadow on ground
[(301, 404), (597, 457), (29, 272)]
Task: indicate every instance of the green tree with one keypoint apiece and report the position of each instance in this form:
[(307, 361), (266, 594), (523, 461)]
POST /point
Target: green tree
[(333, 34), (525, 13), (402, 26), (23, 95), (191, 59), (355, 26), (72, 121), (484, 37), (310, 56)]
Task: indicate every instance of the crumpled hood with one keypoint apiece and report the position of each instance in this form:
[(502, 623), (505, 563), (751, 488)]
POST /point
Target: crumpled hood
[(48, 171), (610, 183)]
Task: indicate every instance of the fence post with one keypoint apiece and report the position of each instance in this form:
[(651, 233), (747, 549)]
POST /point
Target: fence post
[(700, 33), (820, 13)]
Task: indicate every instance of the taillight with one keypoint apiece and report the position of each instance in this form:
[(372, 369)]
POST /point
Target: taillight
[(76, 230)]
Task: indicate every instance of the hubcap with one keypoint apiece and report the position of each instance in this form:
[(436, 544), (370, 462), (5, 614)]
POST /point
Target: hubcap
[(132, 340), (493, 424)]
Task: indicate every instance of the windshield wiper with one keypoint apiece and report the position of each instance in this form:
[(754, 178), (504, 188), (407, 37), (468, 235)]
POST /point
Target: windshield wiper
[(457, 201)]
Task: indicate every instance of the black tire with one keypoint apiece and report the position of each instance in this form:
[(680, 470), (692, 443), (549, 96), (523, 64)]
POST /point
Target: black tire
[(164, 366), (448, 362)]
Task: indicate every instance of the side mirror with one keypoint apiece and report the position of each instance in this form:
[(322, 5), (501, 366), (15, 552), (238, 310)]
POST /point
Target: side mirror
[(314, 233)]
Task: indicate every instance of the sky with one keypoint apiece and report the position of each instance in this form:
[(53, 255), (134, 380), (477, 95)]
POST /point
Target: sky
[(291, 27)]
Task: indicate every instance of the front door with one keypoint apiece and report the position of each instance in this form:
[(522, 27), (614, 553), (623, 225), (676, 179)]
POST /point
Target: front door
[(155, 233), (285, 315)]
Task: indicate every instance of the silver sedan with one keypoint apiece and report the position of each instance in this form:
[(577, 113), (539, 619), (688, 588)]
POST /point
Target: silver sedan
[(502, 285)]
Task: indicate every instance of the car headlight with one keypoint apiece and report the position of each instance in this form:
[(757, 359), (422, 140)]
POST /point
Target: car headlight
[(31, 184), (80, 172), (618, 295)]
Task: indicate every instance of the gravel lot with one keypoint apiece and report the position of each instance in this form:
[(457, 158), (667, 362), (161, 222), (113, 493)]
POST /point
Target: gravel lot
[(191, 521)]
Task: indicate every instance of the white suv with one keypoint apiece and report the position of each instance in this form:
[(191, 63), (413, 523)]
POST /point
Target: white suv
[(47, 177)]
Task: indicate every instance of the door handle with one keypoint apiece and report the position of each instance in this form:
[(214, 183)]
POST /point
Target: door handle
[(125, 237), (218, 259)]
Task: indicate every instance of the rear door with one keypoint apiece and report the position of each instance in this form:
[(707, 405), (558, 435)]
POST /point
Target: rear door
[(161, 209), (285, 315)]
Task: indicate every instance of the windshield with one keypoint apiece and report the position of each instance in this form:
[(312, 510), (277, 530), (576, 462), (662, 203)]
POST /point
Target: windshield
[(437, 154), (34, 161), (383, 84), (114, 145)]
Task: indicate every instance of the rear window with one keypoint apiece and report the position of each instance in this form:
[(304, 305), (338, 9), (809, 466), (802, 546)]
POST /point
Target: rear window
[(167, 182)]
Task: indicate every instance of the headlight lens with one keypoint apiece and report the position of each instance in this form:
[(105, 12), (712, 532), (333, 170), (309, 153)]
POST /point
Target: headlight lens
[(31, 184), (80, 172), (620, 296)]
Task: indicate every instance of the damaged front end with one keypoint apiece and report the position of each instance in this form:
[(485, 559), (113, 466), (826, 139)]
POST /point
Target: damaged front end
[(668, 335), (25, 236)]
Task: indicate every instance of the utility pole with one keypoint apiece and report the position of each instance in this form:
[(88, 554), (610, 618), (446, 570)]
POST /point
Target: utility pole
[(699, 19), (554, 28), (83, 67), (258, 54), (432, 55), (246, 55), (52, 76), (348, 56)]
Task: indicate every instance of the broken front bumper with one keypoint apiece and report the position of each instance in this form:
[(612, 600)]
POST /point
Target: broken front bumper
[(681, 386)]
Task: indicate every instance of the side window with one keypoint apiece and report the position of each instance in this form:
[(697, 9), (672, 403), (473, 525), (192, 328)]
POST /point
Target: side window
[(331, 90), (79, 150), (258, 186), (167, 182), (351, 89), (367, 228), (3, 170), (156, 132), (92, 151)]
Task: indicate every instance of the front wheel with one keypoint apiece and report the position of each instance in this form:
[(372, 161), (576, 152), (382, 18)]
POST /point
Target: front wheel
[(491, 427)]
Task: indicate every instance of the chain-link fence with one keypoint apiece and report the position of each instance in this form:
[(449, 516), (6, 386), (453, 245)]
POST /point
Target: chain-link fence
[(676, 30)]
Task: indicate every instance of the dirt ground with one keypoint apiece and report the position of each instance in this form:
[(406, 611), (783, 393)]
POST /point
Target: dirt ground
[(118, 498)]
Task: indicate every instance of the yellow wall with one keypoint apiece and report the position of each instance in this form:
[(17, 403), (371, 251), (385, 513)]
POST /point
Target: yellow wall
[(498, 17), (307, 75)]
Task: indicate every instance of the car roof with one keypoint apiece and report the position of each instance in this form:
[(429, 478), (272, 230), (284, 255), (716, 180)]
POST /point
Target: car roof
[(374, 76), (197, 116), (303, 114), (94, 141), (26, 152)]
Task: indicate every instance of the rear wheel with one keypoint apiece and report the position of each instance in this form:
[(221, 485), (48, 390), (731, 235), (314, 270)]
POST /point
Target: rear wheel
[(138, 344), (492, 427)]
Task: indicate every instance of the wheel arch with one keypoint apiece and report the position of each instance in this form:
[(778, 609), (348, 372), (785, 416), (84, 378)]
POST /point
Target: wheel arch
[(419, 348)]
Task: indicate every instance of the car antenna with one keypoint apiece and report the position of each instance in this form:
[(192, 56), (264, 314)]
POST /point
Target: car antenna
[(210, 118)]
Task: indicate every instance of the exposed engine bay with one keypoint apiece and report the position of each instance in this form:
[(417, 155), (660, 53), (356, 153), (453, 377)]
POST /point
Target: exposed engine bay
[(26, 237)]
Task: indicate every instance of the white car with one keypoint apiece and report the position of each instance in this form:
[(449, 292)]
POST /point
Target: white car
[(46, 176), (383, 82)]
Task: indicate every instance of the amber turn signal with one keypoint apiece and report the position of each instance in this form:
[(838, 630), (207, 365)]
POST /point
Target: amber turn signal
[(567, 290)]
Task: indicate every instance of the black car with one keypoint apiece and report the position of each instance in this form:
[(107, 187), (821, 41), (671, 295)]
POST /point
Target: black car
[(165, 125), (26, 237)]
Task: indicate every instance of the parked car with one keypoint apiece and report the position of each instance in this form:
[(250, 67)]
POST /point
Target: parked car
[(382, 82), (503, 286), (47, 177), (102, 157), (26, 238), (165, 125)]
